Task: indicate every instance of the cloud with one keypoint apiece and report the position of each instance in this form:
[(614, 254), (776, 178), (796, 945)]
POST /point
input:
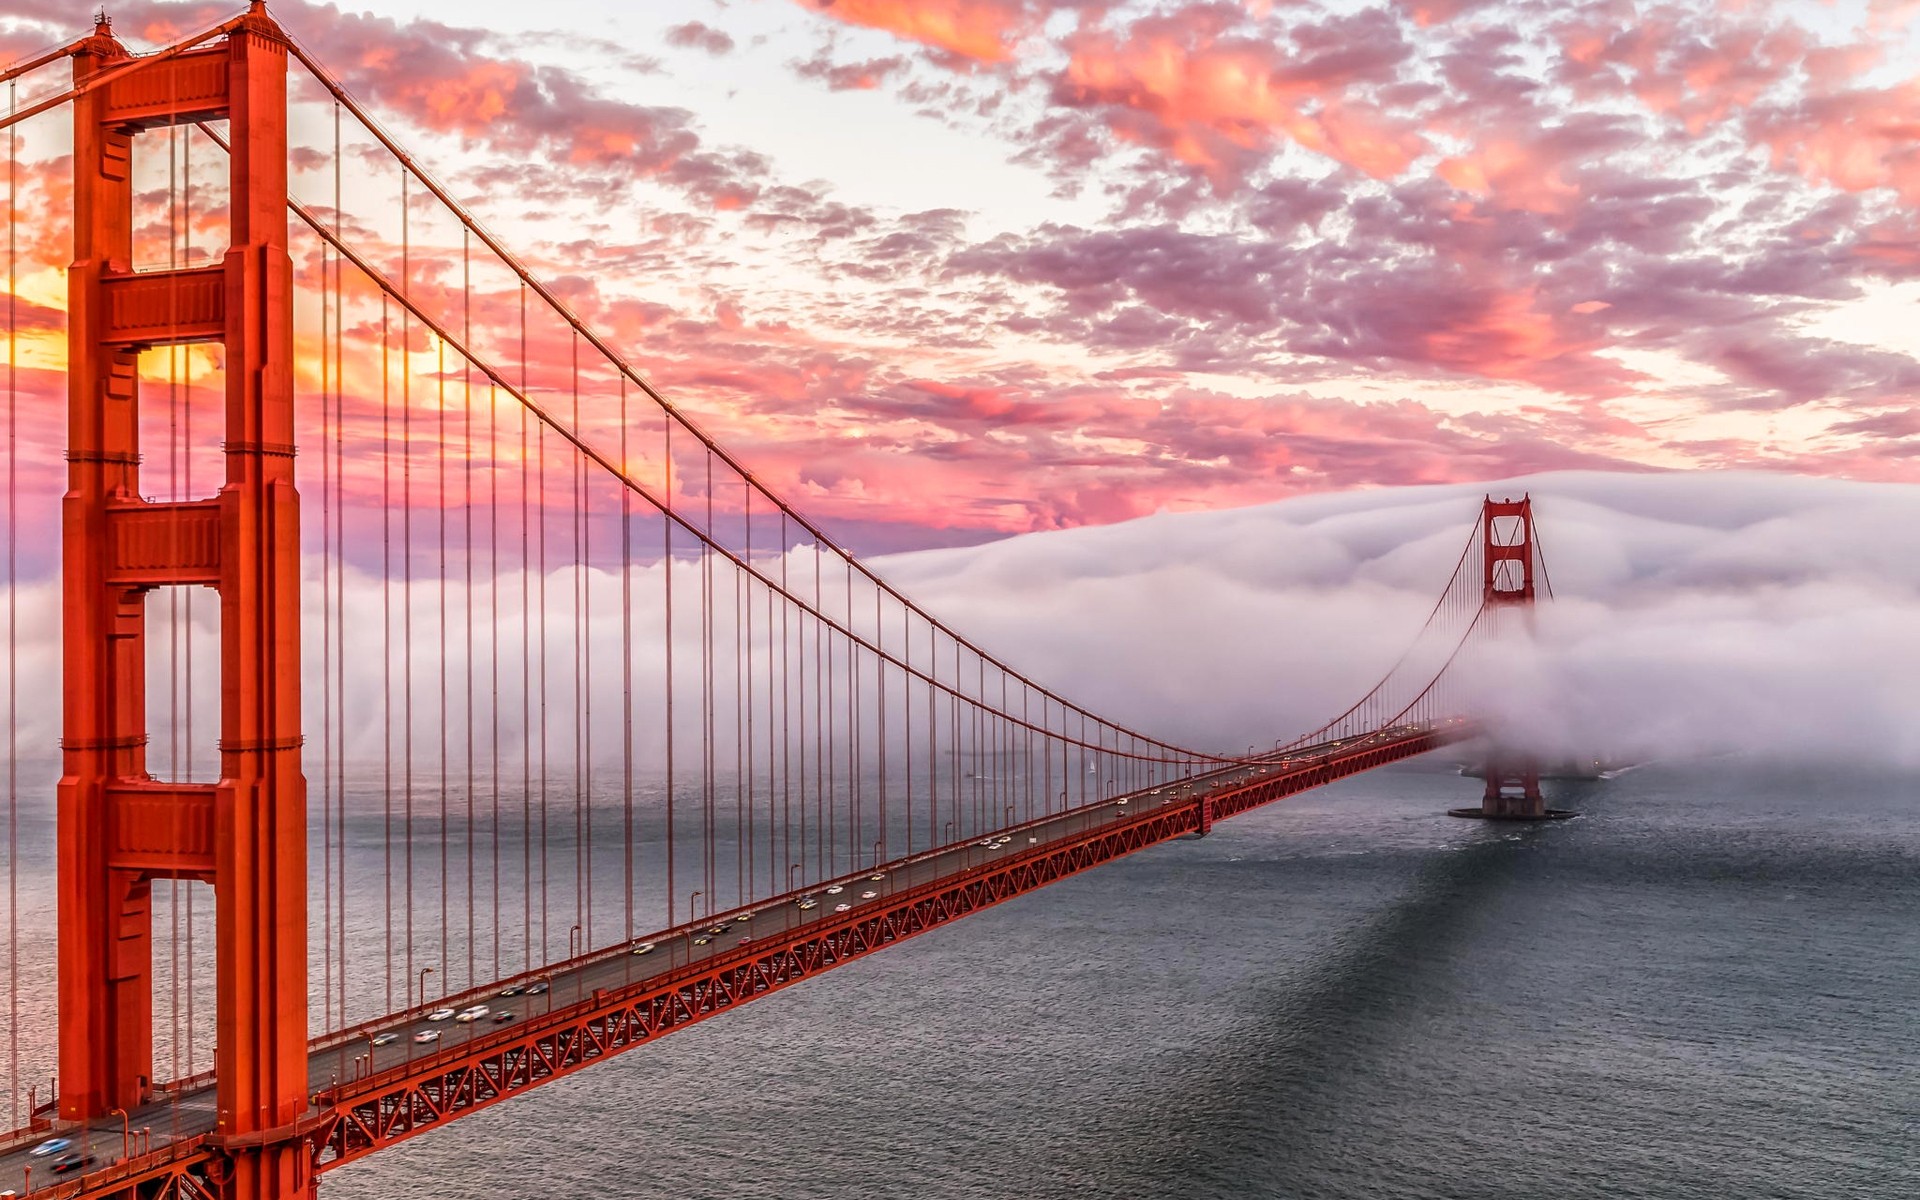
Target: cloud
[(1694, 613), (982, 31), (700, 36)]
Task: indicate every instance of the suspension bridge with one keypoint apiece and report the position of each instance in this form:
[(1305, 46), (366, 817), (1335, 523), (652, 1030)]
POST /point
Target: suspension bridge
[(531, 704)]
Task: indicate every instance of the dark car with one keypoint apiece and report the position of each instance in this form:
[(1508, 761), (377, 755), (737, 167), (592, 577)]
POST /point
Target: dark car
[(70, 1161), (538, 987), (502, 1017)]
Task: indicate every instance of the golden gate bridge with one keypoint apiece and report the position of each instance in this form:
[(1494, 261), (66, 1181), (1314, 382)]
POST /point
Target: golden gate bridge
[(536, 725)]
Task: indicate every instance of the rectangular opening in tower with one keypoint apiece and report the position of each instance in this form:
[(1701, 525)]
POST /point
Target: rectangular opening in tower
[(181, 193), (183, 684), (184, 979), (183, 419)]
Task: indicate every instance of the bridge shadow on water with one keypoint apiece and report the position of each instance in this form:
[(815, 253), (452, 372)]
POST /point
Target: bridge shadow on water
[(1295, 1100)]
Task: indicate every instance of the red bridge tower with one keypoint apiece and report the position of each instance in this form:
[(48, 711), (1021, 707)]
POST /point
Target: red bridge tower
[(119, 828), (1508, 556)]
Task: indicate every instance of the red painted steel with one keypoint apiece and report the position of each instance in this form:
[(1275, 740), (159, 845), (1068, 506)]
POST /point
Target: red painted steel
[(119, 829), (1506, 526)]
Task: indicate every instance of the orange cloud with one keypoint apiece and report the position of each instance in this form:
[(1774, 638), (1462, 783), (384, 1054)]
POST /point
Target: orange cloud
[(1856, 141), (982, 30), (1206, 99), (1514, 174)]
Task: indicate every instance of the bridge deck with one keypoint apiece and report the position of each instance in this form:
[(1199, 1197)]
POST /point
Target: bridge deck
[(367, 1097)]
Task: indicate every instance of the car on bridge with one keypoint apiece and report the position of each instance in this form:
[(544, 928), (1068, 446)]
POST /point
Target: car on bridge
[(469, 1015), (425, 1036), (440, 1014), (385, 1039), (72, 1160), (50, 1146), (642, 948), (538, 987)]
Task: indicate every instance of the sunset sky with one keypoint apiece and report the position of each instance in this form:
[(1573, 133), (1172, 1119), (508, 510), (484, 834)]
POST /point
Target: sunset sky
[(951, 270)]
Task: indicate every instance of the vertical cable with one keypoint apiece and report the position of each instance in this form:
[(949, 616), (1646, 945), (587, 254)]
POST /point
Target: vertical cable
[(493, 653), (13, 615), (327, 499), (406, 557), (527, 678), (467, 555), (174, 886), (386, 634), (743, 705), (666, 586), (440, 510), (582, 687), (340, 577), (186, 423), (526, 665), (626, 663)]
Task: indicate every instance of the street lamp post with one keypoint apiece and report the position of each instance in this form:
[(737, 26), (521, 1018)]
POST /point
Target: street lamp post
[(697, 893), (573, 936), (424, 972), (126, 1132), (791, 868), (877, 846)]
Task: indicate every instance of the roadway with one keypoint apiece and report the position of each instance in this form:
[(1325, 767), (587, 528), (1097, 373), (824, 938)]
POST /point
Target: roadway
[(189, 1112)]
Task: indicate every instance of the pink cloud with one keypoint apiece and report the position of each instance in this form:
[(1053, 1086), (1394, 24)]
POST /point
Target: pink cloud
[(983, 31)]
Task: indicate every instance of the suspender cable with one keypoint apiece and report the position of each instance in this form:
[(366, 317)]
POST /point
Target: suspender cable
[(526, 667), (440, 508), (626, 672), (13, 612), (666, 588), (582, 690), (406, 561), (386, 633), (467, 552), (340, 577)]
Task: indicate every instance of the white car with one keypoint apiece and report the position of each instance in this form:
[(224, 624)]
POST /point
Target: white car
[(440, 1014), (385, 1039), (835, 890), (471, 1014), (809, 903), (642, 948), (842, 907), (868, 895), (425, 1036)]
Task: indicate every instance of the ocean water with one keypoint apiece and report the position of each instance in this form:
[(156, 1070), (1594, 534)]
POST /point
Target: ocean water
[(1703, 988)]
